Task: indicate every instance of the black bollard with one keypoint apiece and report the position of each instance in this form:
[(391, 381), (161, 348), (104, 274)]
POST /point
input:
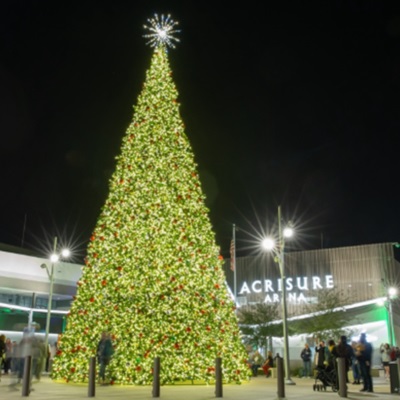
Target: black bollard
[(280, 377), (92, 377), (156, 377), (342, 375), (398, 370), (218, 377), (26, 378)]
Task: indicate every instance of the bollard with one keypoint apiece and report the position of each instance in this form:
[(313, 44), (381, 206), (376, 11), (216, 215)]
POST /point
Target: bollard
[(280, 378), (26, 378), (218, 377), (342, 376), (398, 370), (394, 376), (156, 377), (92, 377)]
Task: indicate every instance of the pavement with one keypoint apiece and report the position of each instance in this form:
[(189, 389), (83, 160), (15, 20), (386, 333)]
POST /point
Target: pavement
[(259, 388)]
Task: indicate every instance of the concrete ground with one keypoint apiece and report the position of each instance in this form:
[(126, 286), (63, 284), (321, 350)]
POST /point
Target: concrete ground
[(259, 388)]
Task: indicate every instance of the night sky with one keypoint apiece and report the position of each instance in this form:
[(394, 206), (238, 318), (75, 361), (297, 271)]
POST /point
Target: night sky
[(285, 103)]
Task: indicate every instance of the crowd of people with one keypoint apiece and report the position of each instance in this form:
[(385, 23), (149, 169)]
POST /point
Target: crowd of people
[(13, 353), (357, 355)]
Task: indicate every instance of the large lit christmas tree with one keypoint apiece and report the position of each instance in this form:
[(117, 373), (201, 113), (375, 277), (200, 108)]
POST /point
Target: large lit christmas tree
[(153, 276)]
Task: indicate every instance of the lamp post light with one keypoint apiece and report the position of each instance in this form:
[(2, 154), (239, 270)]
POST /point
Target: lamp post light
[(54, 258), (392, 292), (279, 250)]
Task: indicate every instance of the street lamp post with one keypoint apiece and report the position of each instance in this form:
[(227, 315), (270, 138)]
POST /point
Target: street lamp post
[(279, 250), (392, 292), (54, 258)]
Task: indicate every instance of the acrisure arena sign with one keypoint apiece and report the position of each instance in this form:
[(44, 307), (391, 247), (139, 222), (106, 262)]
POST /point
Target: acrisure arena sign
[(296, 288)]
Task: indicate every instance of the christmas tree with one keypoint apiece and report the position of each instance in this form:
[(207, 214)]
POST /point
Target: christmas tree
[(153, 275)]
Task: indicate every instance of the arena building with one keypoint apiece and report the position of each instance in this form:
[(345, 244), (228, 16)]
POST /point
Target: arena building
[(362, 277)]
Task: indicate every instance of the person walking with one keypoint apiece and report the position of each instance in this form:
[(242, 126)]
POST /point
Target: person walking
[(23, 350), (364, 356), (305, 355), (105, 351)]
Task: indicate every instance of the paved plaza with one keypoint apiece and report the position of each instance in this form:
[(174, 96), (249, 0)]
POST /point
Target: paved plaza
[(258, 388)]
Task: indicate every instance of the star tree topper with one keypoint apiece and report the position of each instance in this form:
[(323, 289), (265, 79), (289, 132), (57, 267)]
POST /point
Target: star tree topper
[(162, 30)]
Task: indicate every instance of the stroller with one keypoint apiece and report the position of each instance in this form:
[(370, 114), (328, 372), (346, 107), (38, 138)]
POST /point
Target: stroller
[(327, 377)]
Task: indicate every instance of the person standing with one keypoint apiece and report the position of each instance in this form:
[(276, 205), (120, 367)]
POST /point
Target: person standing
[(104, 352), (344, 350), (47, 357), (38, 353), (355, 366), (305, 355), (330, 356), (364, 356), (385, 350), (2, 351), (14, 357), (321, 355), (9, 353)]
